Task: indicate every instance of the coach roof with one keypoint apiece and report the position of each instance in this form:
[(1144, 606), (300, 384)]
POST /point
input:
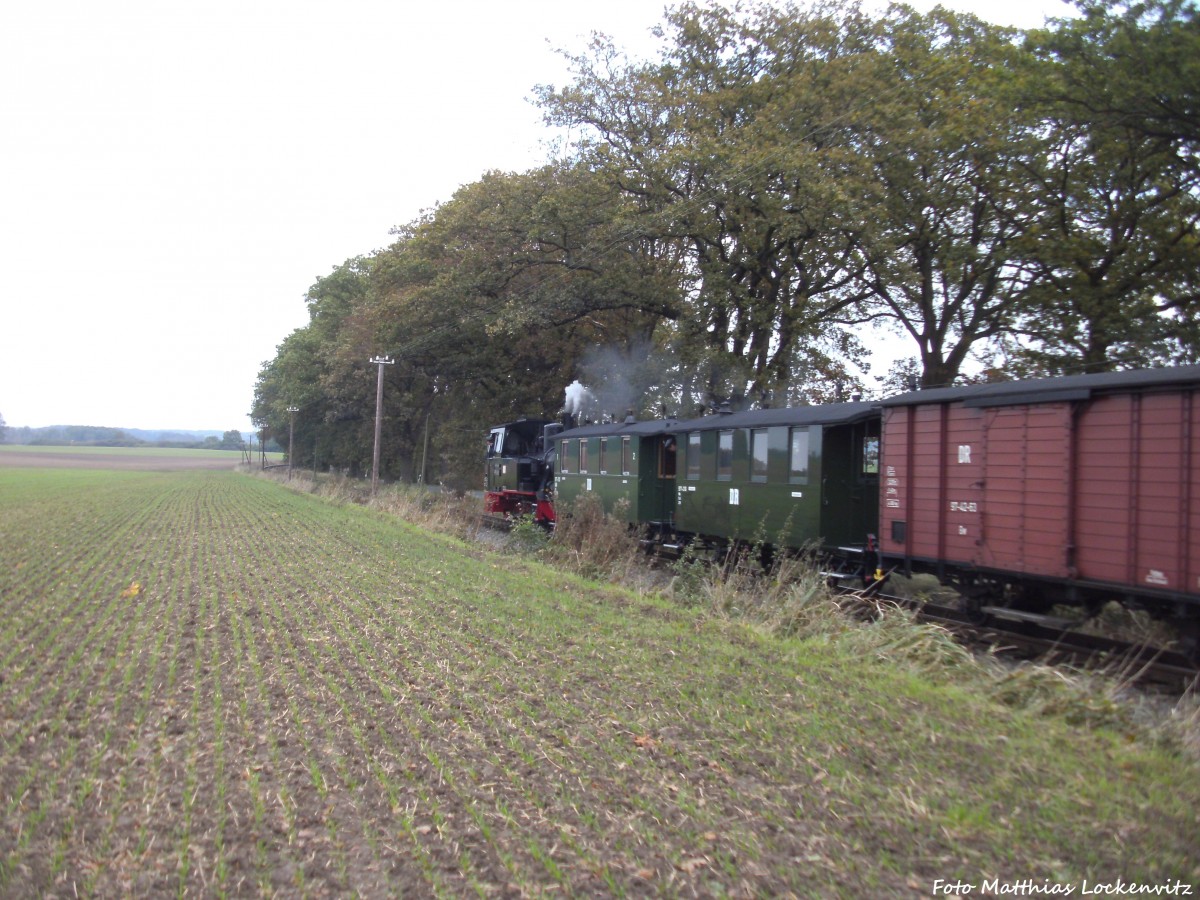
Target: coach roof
[(823, 414), (649, 427)]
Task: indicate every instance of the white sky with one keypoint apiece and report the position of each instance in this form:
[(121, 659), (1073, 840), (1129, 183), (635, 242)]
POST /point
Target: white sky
[(174, 176)]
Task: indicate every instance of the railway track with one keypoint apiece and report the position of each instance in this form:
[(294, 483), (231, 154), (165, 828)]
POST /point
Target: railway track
[(1054, 641), (495, 522)]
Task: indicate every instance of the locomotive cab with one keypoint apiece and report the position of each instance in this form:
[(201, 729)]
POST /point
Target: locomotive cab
[(516, 470)]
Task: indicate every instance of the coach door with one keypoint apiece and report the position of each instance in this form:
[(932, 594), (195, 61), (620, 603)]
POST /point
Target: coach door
[(657, 484), (850, 482)]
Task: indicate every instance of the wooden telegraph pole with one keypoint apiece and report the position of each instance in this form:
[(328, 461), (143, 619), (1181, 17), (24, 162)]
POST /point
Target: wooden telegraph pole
[(292, 410), (380, 361)]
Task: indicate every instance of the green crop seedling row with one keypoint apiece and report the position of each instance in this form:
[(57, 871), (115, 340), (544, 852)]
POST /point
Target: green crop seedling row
[(215, 686)]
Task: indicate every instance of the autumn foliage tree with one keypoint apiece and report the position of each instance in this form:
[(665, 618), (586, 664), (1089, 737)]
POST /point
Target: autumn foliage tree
[(1115, 253), (732, 146), (745, 207)]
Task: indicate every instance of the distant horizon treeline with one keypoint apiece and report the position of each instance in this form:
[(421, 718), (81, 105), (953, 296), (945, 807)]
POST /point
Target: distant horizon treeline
[(102, 436)]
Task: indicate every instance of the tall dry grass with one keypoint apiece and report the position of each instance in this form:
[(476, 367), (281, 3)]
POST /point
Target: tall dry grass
[(440, 511), (591, 543)]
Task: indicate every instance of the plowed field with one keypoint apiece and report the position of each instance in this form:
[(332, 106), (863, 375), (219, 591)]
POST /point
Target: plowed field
[(213, 686), (165, 459)]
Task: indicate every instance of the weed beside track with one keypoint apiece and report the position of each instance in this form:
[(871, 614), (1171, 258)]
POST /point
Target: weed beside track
[(216, 686)]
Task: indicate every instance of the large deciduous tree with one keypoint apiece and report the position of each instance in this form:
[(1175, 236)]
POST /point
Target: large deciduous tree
[(1117, 193), (490, 302), (944, 210), (1133, 64), (732, 144), (487, 304), (321, 370)]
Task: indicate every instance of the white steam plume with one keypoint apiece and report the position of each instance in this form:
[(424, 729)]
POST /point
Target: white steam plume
[(578, 398)]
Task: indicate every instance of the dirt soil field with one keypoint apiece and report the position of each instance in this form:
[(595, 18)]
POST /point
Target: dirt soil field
[(212, 687), (128, 459)]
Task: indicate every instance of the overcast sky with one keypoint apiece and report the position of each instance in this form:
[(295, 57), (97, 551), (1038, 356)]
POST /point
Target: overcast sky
[(174, 176)]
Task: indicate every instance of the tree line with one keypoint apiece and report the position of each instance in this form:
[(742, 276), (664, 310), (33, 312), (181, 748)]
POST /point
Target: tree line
[(101, 436), (737, 220)]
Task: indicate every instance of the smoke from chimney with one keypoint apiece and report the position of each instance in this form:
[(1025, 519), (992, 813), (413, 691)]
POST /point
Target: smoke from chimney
[(578, 398)]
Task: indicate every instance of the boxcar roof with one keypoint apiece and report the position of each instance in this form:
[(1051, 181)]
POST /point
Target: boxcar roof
[(1052, 390), (823, 414)]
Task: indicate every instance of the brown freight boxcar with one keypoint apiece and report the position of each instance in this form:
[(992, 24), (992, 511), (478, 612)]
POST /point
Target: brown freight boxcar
[(1071, 490)]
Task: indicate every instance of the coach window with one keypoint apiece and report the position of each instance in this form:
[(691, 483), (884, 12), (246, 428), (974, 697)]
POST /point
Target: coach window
[(564, 457), (667, 451), (693, 456), (870, 463), (603, 456), (626, 468), (583, 455), (758, 454), (799, 455), (725, 456)]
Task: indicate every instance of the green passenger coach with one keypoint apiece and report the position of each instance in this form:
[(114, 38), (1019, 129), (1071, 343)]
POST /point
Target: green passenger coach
[(789, 477), (629, 466)]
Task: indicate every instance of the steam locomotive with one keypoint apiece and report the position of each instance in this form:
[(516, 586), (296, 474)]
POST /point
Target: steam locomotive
[(1022, 495)]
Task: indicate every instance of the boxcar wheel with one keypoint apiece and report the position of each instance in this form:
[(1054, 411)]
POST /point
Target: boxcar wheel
[(971, 606), (974, 595), (1189, 639)]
